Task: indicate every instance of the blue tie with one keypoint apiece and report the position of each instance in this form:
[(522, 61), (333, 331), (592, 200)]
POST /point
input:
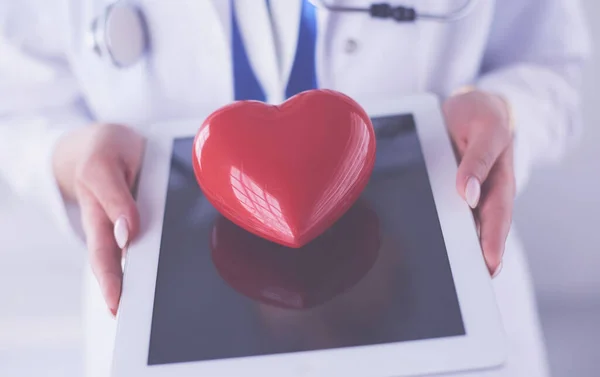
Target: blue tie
[(303, 74)]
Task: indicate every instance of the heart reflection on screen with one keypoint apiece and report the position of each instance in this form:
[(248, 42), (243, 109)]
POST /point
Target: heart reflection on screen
[(298, 278)]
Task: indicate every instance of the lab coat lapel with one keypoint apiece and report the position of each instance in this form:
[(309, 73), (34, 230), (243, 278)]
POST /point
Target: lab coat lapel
[(259, 41), (286, 14), (323, 47), (223, 11)]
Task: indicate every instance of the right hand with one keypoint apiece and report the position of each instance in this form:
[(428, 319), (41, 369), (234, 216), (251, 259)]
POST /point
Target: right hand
[(97, 166)]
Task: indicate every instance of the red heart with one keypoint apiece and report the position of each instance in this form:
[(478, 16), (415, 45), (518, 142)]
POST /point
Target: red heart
[(285, 173), (298, 278)]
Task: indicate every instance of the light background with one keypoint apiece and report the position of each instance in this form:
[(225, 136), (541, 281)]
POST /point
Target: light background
[(558, 218)]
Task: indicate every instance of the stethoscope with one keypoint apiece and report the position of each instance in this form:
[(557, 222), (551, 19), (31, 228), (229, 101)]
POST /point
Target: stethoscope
[(401, 13), (120, 33)]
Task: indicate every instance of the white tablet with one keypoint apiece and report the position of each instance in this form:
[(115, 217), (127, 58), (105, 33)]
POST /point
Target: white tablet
[(397, 287)]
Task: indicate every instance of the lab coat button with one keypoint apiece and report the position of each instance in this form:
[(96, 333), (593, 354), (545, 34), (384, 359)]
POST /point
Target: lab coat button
[(351, 46)]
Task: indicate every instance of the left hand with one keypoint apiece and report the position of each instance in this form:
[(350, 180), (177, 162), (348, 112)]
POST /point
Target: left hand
[(479, 124)]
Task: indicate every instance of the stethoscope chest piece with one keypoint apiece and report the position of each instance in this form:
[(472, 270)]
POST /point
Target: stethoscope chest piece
[(120, 34)]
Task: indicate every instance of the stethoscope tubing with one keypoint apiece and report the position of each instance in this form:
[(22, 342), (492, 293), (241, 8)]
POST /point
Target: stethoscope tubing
[(102, 38), (453, 16)]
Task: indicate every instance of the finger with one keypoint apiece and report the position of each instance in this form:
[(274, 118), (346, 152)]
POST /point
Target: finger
[(496, 211), (105, 256), (484, 147), (107, 182)]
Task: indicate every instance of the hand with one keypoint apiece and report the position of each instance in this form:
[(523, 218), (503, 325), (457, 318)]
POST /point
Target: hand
[(479, 124), (97, 166)]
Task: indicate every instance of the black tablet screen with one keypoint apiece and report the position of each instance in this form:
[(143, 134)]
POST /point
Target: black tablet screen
[(379, 275)]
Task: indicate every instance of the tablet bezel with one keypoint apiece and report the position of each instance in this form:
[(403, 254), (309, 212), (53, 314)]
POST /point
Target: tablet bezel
[(483, 346)]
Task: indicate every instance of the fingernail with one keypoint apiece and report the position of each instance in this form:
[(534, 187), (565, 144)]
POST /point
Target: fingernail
[(498, 269), (472, 192), (121, 231)]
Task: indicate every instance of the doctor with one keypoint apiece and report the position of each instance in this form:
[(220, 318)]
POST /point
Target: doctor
[(72, 112)]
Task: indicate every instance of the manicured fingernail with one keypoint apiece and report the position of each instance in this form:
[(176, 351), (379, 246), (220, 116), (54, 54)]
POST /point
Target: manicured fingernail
[(472, 192), (498, 269), (121, 231)]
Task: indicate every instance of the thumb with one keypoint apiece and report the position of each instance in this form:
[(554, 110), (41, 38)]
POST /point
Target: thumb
[(114, 195), (105, 257), (481, 154)]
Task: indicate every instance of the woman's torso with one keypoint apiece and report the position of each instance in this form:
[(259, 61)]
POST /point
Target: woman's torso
[(188, 70)]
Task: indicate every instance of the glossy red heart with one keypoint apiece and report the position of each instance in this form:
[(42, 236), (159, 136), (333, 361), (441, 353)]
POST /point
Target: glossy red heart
[(299, 278), (288, 172)]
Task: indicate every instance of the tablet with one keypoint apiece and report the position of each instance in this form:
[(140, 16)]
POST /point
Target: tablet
[(397, 287)]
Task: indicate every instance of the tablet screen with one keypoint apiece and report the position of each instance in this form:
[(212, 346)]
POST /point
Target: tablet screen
[(379, 275)]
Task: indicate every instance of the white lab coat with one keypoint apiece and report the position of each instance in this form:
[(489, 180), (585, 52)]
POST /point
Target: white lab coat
[(51, 81)]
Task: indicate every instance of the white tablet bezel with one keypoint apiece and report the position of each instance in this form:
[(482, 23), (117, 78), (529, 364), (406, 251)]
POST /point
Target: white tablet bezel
[(482, 347)]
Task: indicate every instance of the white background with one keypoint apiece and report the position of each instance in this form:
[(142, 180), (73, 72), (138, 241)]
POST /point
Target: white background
[(559, 214), (558, 218), (559, 222)]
